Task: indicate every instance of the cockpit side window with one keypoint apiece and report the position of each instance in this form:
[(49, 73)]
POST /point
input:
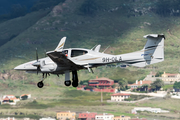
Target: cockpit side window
[(65, 52), (75, 53)]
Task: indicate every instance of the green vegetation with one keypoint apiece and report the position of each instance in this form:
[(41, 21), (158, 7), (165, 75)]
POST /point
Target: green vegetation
[(158, 74), (176, 85), (119, 23), (156, 85), (135, 97), (44, 4), (25, 97), (166, 87)]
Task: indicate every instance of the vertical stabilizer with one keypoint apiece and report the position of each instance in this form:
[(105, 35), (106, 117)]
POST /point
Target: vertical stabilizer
[(155, 47)]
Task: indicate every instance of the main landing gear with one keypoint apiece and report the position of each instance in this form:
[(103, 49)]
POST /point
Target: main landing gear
[(74, 79), (67, 81), (41, 84)]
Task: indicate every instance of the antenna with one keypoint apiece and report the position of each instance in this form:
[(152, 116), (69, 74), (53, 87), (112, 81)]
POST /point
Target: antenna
[(106, 49)]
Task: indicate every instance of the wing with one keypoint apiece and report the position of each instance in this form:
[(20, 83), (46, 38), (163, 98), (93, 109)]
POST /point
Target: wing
[(60, 58)]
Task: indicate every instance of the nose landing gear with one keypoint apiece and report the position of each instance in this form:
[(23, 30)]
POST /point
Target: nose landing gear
[(41, 84)]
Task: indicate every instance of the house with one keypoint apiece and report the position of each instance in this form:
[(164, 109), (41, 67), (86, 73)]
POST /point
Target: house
[(101, 82), (149, 109), (66, 115), (87, 116), (119, 96), (167, 77), (104, 116), (7, 98), (49, 118), (139, 84), (7, 118), (28, 96), (122, 117)]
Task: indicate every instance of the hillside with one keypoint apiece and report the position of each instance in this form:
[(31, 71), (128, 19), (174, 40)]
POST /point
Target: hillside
[(108, 23), (118, 23)]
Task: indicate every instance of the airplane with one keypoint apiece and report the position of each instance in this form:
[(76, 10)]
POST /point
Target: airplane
[(64, 61)]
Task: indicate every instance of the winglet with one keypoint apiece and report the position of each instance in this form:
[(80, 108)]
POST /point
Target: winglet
[(61, 44)]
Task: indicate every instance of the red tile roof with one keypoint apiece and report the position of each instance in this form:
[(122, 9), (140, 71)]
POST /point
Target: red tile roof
[(6, 98), (120, 94), (25, 94), (103, 78), (138, 119)]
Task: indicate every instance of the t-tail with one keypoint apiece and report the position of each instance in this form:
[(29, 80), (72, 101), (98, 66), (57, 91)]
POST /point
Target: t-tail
[(153, 51)]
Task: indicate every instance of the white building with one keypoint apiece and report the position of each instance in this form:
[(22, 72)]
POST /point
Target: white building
[(8, 96), (7, 118), (119, 96), (49, 118), (6, 99), (104, 116), (149, 109)]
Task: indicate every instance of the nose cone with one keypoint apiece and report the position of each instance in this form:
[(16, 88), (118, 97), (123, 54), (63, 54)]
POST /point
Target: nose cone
[(19, 67)]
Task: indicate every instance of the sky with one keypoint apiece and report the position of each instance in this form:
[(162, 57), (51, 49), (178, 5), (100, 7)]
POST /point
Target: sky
[(5, 5)]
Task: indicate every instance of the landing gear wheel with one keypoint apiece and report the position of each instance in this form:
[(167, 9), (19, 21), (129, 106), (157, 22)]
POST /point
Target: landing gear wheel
[(74, 84), (67, 83), (40, 84)]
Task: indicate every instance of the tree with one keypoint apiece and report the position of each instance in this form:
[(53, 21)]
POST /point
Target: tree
[(123, 84), (167, 7), (145, 87), (25, 97), (176, 85), (18, 10), (158, 74), (157, 84), (88, 7), (113, 86)]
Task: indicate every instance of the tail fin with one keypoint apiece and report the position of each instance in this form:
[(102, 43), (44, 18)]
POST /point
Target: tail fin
[(61, 44), (153, 51)]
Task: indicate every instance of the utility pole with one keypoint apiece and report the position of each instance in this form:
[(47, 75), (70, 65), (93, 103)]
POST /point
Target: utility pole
[(101, 96)]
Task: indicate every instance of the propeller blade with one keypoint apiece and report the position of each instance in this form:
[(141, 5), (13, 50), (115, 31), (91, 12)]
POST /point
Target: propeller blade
[(45, 53), (36, 55)]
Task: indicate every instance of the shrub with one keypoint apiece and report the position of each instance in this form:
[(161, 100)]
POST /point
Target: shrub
[(89, 7)]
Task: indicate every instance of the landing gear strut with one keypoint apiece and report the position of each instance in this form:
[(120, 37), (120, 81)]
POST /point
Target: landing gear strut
[(74, 78), (67, 81)]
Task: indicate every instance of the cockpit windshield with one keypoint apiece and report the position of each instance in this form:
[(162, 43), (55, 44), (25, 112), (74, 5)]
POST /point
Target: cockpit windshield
[(75, 53)]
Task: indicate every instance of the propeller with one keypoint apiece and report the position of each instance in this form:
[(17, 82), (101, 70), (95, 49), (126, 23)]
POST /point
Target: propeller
[(45, 53), (37, 63)]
